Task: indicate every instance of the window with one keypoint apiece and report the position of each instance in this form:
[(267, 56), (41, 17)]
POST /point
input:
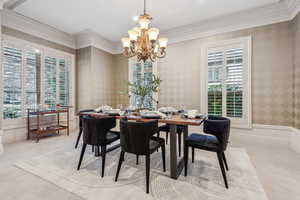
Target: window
[(142, 73), (32, 77), (64, 82), (12, 82), (228, 84), (50, 81)]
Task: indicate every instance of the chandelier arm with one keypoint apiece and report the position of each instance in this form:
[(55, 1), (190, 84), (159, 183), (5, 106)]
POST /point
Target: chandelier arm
[(161, 53), (152, 56)]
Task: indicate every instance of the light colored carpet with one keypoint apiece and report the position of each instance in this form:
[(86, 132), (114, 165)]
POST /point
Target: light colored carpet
[(204, 180)]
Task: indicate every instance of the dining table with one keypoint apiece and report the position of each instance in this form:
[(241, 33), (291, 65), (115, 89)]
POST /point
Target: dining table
[(176, 163)]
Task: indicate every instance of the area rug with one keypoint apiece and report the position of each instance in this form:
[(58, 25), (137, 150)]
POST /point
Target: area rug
[(204, 180)]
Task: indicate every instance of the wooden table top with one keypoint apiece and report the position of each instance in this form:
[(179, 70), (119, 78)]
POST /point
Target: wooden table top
[(175, 120)]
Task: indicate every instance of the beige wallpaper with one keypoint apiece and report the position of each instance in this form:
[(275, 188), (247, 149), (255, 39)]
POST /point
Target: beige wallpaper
[(120, 79), (102, 77), (272, 73), (296, 29), (83, 71), (95, 78)]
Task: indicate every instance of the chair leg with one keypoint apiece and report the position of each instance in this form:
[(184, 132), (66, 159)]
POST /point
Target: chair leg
[(137, 159), (158, 134), (78, 138), (179, 143), (93, 148), (193, 154), (186, 159), (224, 159), (163, 153), (167, 136), (220, 157), (103, 153), (121, 159), (97, 153), (147, 172), (81, 156)]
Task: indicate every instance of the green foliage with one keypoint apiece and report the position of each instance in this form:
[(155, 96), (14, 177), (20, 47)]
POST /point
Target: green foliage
[(143, 88), (146, 88)]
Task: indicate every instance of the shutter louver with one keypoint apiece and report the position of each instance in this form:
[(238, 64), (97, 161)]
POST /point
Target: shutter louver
[(234, 83), (215, 64), (12, 80), (32, 78), (63, 83), (50, 81)]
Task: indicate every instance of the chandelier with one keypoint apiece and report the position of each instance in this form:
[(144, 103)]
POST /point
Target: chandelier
[(143, 41)]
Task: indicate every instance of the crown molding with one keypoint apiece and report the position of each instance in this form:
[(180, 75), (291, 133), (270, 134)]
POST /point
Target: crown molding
[(284, 10), (90, 38), (38, 29), (270, 14), (293, 7)]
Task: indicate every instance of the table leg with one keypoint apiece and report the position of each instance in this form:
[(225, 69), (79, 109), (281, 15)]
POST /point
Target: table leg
[(176, 166), (173, 151)]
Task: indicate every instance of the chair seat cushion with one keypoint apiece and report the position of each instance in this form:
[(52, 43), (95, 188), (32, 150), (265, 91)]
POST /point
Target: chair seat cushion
[(112, 136), (166, 128), (202, 141), (155, 143)]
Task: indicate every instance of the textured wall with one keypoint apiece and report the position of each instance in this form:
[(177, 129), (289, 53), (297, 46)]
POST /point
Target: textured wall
[(272, 73), (120, 65), (95, 78), (102, 76), (83, 71), (296, 29)]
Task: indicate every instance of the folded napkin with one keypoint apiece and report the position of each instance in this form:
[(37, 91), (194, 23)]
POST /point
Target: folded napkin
[(103, 108), (192, 113), (167, 109)]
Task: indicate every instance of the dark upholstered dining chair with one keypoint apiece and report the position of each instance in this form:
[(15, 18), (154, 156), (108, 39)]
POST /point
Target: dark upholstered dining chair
[(166, 128), (217, 131), (137, 138), (96, 131), (80, 126)]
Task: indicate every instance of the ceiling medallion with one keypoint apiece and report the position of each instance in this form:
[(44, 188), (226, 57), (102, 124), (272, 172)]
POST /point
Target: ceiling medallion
[(143, 42)]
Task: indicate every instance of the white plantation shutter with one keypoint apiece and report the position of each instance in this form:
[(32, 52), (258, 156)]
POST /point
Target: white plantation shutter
[(228, 80), (234, 82), (12, 82), (64, 82), (32, 78), (50, 81), (215, 70)]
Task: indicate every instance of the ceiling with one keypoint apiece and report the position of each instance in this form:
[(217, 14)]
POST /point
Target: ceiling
[(112, 18)]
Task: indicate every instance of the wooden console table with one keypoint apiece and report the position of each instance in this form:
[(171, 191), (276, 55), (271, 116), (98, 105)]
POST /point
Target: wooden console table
[(40, 114)]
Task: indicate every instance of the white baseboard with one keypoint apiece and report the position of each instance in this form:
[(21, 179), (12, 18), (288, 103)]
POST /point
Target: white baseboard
[(272, 127)]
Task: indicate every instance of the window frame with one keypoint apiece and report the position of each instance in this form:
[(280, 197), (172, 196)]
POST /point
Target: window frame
[(25, 47), (131, 62), (246, 43)]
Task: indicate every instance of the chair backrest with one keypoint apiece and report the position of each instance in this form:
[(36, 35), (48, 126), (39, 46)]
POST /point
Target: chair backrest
[(135, 136), (80, 117), (219, 127), (96, 129)]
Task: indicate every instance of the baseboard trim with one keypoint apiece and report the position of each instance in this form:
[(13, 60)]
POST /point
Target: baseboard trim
[(272, 127)]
